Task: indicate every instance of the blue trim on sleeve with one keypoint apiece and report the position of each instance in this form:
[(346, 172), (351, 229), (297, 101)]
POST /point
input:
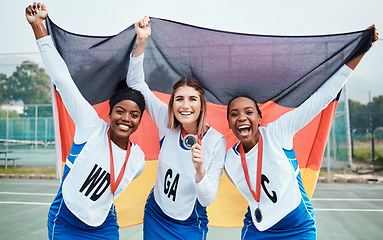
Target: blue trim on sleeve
[(290, 154), (75, 151)]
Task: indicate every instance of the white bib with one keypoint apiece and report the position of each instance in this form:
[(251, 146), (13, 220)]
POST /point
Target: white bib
[(279, 188), (86, 189), (175, 188)]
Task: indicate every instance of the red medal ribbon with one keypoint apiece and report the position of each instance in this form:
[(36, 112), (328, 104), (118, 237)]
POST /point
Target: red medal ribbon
[(257, 195), (183, 133), (114, 183)]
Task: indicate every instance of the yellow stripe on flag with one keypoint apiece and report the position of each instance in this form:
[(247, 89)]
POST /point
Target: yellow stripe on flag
[(229, 207), (130, 204), (309, 180)]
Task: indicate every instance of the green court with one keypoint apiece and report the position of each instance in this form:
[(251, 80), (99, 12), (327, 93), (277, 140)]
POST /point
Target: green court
[(343, 211)]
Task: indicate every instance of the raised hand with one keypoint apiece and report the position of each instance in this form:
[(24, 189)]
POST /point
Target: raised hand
[(376, 34), (36, 12), (143, 31), (198, 156), (355, 61)]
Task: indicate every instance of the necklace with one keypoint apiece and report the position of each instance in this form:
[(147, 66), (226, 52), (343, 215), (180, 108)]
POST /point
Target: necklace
[(113, 182), (257, 194)]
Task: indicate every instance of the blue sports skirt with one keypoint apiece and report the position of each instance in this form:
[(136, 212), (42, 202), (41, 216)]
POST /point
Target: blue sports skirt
[(64, 225), (298, 224), (159, 226)]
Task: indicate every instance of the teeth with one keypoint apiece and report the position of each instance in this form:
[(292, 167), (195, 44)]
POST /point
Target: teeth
[(123, 127), (244, 130), (186, 113)]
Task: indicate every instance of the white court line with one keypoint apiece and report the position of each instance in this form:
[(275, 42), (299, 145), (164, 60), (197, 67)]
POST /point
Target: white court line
[(349, 199), (315, 209), (29, 194), (25, 203), (26, 183), (346, 210)]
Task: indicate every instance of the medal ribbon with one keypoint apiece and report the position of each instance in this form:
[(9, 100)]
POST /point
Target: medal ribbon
[(257, 194), (183, 133), (114, 183)]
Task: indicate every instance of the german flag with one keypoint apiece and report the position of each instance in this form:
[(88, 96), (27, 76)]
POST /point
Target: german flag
[(281, 72)]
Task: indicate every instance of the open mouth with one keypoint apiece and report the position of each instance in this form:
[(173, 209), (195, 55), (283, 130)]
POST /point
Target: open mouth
[(244, 130)]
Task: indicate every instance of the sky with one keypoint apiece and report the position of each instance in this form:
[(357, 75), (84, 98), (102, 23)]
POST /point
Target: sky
[(278, 17)]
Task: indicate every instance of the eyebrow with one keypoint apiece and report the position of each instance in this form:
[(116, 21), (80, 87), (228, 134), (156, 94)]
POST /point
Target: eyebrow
[(182, 96), (246, 108), (139, 111)]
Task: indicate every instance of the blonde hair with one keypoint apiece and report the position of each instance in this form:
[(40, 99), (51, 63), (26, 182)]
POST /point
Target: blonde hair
[(201, 121)]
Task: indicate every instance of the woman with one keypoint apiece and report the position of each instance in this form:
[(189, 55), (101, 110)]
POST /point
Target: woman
[(102, 161), (191, 155), (264, 168)]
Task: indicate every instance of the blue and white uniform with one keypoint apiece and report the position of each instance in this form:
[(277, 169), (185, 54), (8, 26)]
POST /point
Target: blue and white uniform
[(176, 208), (83, 207), (286, 208)]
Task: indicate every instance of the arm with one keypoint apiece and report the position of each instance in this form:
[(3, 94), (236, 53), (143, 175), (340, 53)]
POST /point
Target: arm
[(354, 62), (207, 188), (143, 32), (35, 15), (157, 109), (296, 119), (75, 103)]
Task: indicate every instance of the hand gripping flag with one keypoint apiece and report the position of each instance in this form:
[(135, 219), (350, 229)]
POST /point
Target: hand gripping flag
[(280, 72)]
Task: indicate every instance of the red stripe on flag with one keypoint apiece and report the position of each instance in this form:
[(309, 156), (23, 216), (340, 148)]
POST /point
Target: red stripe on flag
[(315, 134)]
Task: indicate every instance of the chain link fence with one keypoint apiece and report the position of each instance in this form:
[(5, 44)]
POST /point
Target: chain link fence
[(366, 146)]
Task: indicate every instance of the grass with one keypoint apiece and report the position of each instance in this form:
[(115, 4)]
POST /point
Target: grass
[(28, 170), (364, 155)]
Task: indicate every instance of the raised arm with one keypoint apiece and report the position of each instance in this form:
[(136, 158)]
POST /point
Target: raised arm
[(35, 15), (82, 113), (157, 109), (293, 121), (143, 32), (354, 62)]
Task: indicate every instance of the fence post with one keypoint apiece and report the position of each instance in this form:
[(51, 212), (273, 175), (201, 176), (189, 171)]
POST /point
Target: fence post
[(371, 110), (328, 160), (348, 130), (6, 138), (36, 126)]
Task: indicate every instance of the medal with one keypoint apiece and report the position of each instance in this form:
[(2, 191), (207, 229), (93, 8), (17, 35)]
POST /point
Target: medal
[(257, 194), (113, 182), (258, 215), (189, 141)]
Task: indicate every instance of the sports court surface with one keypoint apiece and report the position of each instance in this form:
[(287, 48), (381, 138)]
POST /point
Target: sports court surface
[(343, 211)]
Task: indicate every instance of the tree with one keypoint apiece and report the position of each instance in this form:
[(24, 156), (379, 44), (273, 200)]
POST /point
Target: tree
[(3, 92), (11, 114), (30, 84), (359, 116), (377, 110)]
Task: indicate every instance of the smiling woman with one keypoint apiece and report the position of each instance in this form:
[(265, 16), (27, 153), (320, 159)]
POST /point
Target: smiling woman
[(263, 165), (126, 108), (84, 207), (191, 156)]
